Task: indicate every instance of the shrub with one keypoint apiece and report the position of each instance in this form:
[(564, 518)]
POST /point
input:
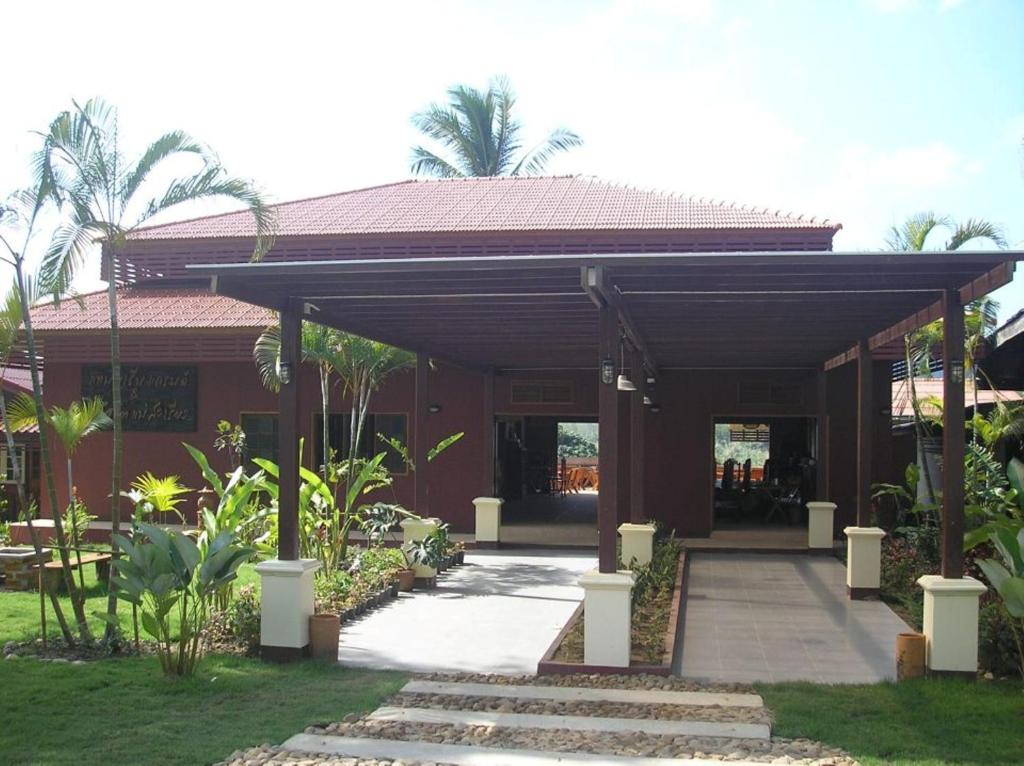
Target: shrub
[(997, 646), (237, 628), (5, 533)]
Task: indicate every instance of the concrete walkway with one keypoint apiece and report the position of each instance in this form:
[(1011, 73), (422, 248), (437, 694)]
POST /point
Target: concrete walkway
[(498, 613), (766, 617)]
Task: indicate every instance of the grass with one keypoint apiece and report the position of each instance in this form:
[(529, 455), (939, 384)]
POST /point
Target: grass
[(124, 711), (19, 610), (917, 723)]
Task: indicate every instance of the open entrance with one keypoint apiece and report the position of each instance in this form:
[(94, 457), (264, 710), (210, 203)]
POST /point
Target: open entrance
[(765, 471), (546, 469)]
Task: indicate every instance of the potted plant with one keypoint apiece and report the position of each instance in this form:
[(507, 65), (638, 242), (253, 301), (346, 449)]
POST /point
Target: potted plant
[(460, 553), (379, 521), (425, 552)]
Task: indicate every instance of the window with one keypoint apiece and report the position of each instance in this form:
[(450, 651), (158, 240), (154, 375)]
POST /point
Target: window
[(391, 425), (260, 435), (8, 464)]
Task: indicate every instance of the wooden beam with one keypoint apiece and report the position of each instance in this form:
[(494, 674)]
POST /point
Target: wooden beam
[(487, 488), (608, 443), (288, 429), (420, 435), (953, 435), (637, 414), (864, 433), (821, 478), (598, 286)]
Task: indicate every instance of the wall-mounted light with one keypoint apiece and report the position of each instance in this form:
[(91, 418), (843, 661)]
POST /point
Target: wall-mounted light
[(647, 401), (623, 383), (433, 409), (650, 380), (956, 371), (285, 373), (607, 370), (655, 407)]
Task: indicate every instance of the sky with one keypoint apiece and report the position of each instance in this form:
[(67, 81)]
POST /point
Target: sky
[(861, 111)]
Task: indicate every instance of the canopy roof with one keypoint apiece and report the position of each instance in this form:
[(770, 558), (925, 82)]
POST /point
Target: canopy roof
[(695, 310)]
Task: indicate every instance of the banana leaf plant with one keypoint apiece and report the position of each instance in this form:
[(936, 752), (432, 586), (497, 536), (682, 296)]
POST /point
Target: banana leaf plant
[(173, 582)]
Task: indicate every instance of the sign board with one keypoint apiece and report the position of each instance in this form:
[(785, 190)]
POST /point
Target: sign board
[(153, 397)]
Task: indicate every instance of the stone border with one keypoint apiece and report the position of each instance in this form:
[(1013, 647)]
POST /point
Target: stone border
[(549, 666)]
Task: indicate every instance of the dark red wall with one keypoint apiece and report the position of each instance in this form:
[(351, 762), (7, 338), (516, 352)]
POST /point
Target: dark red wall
[(679, 444)]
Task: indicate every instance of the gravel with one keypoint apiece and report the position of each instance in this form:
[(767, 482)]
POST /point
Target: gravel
[(594, 681), (789, 751), (269, 755), (647, 711)]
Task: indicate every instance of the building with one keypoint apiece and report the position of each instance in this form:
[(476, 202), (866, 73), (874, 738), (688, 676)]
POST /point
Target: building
[(199, 345)]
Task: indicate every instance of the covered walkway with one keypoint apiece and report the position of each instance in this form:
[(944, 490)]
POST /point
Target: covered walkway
[(496, 614), (767, 617)]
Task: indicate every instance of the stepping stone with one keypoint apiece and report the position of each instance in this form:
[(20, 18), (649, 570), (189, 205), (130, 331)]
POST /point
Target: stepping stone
[(465, 755), (584, 694), (577, 722)]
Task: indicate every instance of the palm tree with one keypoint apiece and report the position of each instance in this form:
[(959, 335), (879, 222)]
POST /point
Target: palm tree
[(361, 364), (106, 197), (321, 345), (481, 136), (22, 211), (71, 425), (914, 235)]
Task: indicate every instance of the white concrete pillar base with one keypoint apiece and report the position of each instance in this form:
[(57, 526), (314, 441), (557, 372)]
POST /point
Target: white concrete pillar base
[(607, 618), (637, 543), (819, 525), (286, 604), (488, 521), (414, 530), (863, 561), (951, 623)]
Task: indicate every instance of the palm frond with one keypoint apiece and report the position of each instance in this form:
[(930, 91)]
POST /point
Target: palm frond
[(975, 228), (912, 235), (267, 355), (425, 162), (169, 144), (213, 181), (21, 412), (67, 253), (10, 323), (79, 420), (535, 161)]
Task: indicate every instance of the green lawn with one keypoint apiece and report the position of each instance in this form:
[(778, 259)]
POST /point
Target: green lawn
[(19, 610), (123, 711), (934, 721)]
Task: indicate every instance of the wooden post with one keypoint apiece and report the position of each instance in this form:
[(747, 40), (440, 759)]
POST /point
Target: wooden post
[(637, 413), (864, 434), (419, 453), (608, 440), (821, 478), (487, 480), (288, 430), (953, 435)]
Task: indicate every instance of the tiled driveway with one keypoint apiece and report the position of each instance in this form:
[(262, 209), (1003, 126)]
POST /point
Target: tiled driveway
[(763, 617)]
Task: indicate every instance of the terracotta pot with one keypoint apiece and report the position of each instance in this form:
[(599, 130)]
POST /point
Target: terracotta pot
[(910, 652), (406, 579), (323, 636)]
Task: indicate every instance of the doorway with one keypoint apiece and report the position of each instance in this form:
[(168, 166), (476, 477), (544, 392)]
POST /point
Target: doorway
[(547, 471), (765, 470)]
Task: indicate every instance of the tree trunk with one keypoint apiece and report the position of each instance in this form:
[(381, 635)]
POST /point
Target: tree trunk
[(51, 591), (324, 397), (73, 506), (115, 406), (919, 433), (77, 605)]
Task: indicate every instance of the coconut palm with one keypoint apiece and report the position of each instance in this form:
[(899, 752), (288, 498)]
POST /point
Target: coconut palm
[(105, 197), (22, 213), (481, 137), (915, 235)]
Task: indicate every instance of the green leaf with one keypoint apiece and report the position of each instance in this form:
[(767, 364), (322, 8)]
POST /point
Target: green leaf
[(995, 573), (1012, 591), (150, 625)]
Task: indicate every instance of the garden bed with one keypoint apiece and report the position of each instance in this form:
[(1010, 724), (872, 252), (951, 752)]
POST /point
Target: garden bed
[(655, 622)]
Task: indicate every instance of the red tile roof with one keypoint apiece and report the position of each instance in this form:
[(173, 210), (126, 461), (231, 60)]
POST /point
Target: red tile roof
[(151, 308), (501, 204)]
